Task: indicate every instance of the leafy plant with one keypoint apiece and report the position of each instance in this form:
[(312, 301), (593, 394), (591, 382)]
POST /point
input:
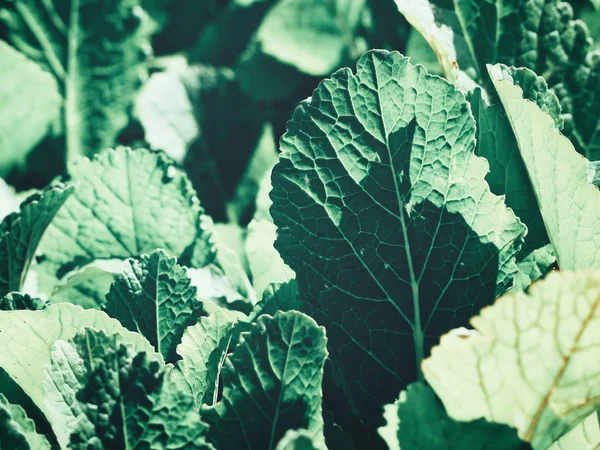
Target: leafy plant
[(410, 262)]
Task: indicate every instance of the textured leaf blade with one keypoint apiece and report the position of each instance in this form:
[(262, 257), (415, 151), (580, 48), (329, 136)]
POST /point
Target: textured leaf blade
[(30, 103), (529, 363), (567, 202), (20, 234), (70, 40), (127, 203), (282, 391), (17, 430), (373, 161), (27, 338), (155, 297)]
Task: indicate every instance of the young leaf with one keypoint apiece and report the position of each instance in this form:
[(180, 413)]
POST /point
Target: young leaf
[(271, 384), (20, 234), (383, 213), (530, 362), (17, 430), (203, 349), (155, 297), (71, 39), (30, 103), (27, 338), (533, 266), (567, 202), (128, 402), (127, 203), (418, 421)]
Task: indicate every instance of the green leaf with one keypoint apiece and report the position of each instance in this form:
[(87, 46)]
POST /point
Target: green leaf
[(418, 421), (271, 384), (279, 297), (216, 290), (27, 337), (298, 440), (507, 175), (528, 363), (567, 202), (127, 203), (128, 402), (20, 234), (71, 39), (585, 436), (30, 104), (203, 349), (533, 266), (10, 199), (155, 297), (383, 213), (593, 172), (17, 430), (16, 301), (312, 35)]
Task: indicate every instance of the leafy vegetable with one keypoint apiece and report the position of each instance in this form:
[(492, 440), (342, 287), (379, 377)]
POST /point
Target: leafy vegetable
[(392, 243), (18, 430)]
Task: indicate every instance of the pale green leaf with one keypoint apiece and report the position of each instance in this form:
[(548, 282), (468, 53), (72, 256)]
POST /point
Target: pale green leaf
[(298, 440), (27, 338), (418, 421), (312, 35), (216, 290), (567, 202), (271, 384), (155, 297), (384, 215), (21, 232), (203, 349), (95, 50), (530, 362), (533, 266), (17, 431), (126, 203), (10, 199), (585, 436), (29, 104)]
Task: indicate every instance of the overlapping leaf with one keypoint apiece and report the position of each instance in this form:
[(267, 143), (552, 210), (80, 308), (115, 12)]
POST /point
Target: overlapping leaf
[(531, 361), (17, 430), (383, 213)]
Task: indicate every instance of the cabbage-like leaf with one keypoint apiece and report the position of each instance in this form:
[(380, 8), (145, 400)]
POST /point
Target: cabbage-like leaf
[(18, 430), (127, 401), (567, 202), (127, 203), (21, 232), (155, 297), (16, 301), (530, 362), (71, 39), (27, 338), (271, 384), (534, 266), (30, 103), (298, 440), (383, 213), (418, 421), (585, 436)]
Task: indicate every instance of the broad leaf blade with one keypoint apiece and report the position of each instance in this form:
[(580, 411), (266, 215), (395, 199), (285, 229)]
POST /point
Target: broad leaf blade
[(30, 103), (127, 203), (271, 384), (155, 297), (20, 234), (298, 440), (27, 338), (371, 163), (567, 202), (529, 363), (70, 39)]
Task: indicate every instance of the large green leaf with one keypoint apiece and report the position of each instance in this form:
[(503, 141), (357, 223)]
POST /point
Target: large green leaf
[(418, 421), (271, 384), (155, 297), (17, 431), (127, 203), (29, 103), (568, 203), (383, 213), (530, 362), (540, 35), (585, 436), (21, 232), (95, 50), (127, 402), (27, 338), (298, 440)]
